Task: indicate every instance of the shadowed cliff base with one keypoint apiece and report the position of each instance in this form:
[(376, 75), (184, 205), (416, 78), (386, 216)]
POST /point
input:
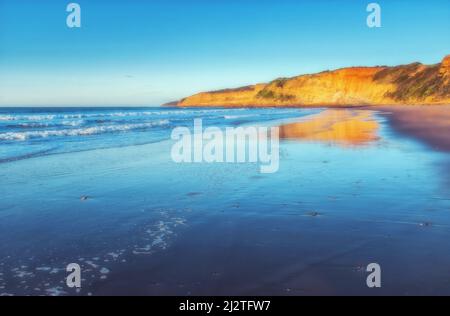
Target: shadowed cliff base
[(414, 83)]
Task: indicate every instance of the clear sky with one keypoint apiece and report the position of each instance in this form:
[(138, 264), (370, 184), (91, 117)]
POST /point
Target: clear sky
[(139, 52)]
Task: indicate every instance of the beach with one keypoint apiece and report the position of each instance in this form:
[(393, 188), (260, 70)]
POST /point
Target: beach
[(430, 124), (354, 186)]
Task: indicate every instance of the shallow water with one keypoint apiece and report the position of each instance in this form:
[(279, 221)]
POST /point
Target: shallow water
[(148, 225), (31, 132)]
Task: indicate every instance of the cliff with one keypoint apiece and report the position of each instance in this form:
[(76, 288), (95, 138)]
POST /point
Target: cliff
[(406, 84)]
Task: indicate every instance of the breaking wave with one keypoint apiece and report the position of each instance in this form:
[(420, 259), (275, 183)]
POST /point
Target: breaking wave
[(21, 136), (232, 117), (42, 125), (49, 117)]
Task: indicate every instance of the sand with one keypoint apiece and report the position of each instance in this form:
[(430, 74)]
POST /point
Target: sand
[(429, 124), (345, 127), (155, 227)]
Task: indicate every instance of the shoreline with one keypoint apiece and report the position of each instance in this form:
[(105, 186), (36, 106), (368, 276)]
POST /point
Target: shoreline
[(311, 106), (428, 124)]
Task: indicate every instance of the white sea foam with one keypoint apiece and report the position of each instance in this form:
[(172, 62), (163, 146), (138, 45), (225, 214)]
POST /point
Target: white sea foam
[(21, 136), (55, 291), (39, 117), (104, 270), (232, 117), (38, 278), (43, 269), (49, 117), (6, 117), (42, 124)]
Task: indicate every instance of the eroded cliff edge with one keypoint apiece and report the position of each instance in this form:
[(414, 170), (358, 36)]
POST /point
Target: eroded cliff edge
[(381, 85)]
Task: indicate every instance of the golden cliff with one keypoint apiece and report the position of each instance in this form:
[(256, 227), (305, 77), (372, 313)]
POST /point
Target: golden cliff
[(406, 84)]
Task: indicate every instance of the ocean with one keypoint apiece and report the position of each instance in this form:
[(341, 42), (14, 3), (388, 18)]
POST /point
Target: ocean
[(30, 132)]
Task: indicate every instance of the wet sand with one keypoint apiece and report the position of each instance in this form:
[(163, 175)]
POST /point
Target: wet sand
[(429, 124), (355, 127), (345, 127), (349, 192)]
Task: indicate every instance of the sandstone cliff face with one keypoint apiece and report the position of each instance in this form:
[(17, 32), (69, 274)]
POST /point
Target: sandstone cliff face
[(406, 84), (444, 69)]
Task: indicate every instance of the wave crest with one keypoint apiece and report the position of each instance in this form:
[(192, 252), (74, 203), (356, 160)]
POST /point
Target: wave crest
[(21, 136)]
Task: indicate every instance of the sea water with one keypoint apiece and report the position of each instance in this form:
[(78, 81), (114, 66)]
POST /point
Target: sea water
[(98, 187)]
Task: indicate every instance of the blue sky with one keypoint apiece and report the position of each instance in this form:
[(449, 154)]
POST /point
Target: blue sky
[(149, 52)]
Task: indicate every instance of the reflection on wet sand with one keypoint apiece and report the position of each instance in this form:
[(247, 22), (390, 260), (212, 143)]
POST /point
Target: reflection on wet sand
[(345, 127)]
